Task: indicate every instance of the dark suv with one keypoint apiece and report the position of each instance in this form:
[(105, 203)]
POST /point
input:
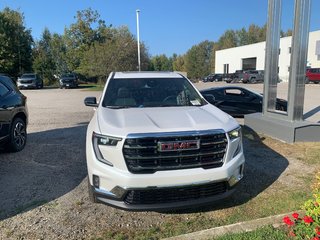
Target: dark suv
[(13, 116), (313, 75), (68, 80)]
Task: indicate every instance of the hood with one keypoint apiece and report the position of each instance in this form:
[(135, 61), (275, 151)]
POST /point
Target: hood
[(120, 122)]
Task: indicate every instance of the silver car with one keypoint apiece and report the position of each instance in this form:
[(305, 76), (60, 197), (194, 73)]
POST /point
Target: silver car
[(29, 80)]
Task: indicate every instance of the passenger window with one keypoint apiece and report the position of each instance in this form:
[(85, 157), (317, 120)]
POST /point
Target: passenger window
[(3, 90), (234, 92)]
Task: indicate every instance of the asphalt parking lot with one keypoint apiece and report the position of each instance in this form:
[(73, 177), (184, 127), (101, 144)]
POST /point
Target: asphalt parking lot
[(43, 192)]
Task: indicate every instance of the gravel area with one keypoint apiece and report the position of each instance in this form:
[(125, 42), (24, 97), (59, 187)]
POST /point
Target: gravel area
[(43, 191)]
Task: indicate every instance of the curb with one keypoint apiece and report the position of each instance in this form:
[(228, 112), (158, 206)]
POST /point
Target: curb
[(247, 226)]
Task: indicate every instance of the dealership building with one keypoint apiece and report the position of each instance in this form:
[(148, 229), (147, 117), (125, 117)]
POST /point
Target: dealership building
[(252, 57)]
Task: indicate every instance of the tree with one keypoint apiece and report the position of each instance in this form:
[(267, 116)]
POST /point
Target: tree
[(161, 63), (82, 35), (178, 63), (198, 58), (15, 43), (43, 62), (117, 54)]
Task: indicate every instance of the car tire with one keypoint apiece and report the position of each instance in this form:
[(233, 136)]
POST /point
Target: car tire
[(92, 196), (307, 80), (18, 135), (253, 80)]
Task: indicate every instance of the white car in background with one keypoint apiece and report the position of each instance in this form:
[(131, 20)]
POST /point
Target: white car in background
[(155, 143)]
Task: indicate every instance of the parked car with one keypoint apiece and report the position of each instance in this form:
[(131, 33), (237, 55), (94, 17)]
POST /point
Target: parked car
[(154, 143), (68, 80), (253, 76), (234, 77), (238, 101), (313, 75), (13, 115), (30, 80), (216, 77)]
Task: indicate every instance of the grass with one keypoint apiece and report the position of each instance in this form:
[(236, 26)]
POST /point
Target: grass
[(92, 87), (265, 233)]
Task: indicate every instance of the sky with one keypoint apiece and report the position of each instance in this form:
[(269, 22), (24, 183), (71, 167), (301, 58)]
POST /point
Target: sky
[(166, 26)]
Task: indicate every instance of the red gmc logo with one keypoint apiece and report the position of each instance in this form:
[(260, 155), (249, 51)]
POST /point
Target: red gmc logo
[(178, 145)]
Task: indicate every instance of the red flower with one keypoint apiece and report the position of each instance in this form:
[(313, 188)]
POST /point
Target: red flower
[(315, 238), (317, 230), (295, 215), (288, 221), (307, 219)]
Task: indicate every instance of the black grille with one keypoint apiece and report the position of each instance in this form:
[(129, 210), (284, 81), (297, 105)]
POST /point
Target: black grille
[(172, 195), (142, 154)]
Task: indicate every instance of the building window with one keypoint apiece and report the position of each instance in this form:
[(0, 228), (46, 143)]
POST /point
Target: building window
[(289, 50), (288, 68), (226, 68)]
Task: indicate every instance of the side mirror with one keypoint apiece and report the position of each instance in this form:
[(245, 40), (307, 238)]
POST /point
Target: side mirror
[(91, 102), (209, 97)]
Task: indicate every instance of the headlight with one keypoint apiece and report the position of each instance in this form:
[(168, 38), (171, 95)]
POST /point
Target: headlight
[(235, 133), (101, 140)]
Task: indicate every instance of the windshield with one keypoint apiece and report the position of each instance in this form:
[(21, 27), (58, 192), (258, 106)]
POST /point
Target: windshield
[(68, 75), (153, 92), (28, 76)]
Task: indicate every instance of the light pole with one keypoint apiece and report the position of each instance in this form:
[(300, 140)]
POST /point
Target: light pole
[(138, 39)]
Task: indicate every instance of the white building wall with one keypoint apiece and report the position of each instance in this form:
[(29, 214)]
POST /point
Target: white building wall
[(234, 56)]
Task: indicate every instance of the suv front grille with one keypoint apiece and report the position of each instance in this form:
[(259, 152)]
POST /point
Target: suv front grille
[(142, 154), (174, 194)]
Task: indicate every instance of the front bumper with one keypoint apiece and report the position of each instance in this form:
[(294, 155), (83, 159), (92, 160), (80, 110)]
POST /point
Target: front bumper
[(68, 84), (155, 199), (26, 85), (175, 186)]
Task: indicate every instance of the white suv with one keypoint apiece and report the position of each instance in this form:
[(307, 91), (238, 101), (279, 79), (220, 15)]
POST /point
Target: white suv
[(155, 143)]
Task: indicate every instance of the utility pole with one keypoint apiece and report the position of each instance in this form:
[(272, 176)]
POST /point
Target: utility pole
[(138, 39)]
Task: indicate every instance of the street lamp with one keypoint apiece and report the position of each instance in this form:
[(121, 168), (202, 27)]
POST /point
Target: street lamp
[(138, 39)]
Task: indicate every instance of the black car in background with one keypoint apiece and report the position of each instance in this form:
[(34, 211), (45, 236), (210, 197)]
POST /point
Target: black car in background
[(68, 80), (238, 101), (13, 116), (217, 77)]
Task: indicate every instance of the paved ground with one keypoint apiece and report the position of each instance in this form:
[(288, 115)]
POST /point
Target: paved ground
[(52, 169)]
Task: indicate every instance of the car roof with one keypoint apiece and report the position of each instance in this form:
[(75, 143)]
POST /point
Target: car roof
[(135, 75)]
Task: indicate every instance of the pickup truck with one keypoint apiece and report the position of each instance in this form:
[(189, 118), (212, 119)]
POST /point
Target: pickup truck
[(253, 76), (155, 143)]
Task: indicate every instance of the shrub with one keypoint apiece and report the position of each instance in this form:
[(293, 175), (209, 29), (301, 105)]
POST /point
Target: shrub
[(308, 226)]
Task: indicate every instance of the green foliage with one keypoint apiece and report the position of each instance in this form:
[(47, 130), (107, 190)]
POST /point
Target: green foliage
[(117, 54), (15, 43), (307, 227), (179, 64), (263, 233), (161, 63), (43, 62), (197, 60)]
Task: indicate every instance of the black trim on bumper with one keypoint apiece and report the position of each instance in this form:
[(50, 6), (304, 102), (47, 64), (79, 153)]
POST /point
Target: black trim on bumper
[(120, 203)]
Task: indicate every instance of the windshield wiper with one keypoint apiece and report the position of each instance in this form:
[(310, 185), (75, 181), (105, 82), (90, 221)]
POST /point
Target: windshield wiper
[(118, 107)]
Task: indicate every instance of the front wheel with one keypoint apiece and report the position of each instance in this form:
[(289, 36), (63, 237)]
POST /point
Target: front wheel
[(307, 81), (18, 135)]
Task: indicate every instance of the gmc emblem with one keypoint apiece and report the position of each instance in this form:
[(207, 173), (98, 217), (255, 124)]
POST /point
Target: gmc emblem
[(178, 145)]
